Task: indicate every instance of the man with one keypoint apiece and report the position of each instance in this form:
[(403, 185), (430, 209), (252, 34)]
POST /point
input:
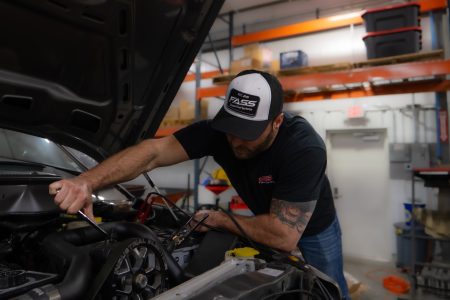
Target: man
[(276, 163)]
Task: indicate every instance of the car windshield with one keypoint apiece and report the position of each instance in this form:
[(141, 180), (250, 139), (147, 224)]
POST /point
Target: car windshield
[(25, 147)]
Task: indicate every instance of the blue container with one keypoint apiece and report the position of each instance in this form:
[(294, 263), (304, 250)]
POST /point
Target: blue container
[(408, 211), (293, 59), (404, 245)]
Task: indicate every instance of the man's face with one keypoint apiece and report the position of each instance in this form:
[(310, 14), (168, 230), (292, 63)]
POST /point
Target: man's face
[(243, 149)]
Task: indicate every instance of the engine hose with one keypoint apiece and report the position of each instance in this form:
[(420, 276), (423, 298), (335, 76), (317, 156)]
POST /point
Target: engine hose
[(66, 246), (46, 292), (79, 272), (121, 231)]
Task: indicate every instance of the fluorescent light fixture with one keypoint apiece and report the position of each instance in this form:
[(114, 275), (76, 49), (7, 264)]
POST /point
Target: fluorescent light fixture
[(345, 16)]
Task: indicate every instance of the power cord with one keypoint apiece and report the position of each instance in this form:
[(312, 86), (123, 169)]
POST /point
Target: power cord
[(167, 201), (243, 233)]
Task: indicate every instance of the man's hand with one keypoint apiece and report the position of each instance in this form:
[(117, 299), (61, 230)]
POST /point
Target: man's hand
[(214, 219), (281, 228), (71, 195)]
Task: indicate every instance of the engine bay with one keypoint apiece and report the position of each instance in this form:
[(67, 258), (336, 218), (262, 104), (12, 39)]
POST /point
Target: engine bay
[(154, 253)]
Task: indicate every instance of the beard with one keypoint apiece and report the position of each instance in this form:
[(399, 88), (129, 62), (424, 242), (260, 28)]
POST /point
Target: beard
[(244, 152)]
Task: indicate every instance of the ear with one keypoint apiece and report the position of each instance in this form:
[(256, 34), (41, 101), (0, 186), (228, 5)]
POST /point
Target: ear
[(278, 120)]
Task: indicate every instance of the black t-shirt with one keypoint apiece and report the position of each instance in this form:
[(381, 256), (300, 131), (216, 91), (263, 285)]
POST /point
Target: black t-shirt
[(292, 169)]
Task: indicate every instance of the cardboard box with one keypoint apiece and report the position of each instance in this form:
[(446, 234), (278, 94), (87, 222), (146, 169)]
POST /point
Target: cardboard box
[(275, 66), (184, 113), (187, 110), (257, 52), (255, 57), (251, 49), (204, 109), (244, 64), (173, 113), (172, 116)]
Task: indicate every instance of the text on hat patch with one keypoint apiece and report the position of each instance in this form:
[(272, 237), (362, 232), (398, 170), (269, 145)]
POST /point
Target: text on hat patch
[(243, 103)]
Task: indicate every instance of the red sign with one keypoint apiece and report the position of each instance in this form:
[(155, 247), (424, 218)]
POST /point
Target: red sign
[(355, 112), (443, 125)]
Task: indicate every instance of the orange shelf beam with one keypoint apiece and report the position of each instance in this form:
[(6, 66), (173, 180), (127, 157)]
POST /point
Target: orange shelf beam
[(213, 91), (205, 75), (370, 74), (165, 131), (319, 25), (296, 29), (429, 5), (403, 88)]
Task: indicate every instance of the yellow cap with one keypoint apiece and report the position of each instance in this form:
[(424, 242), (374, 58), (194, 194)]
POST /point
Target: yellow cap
[(243, 252), (294, 258)]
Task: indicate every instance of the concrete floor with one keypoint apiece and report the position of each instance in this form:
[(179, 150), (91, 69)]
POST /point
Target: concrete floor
[(371, 274)]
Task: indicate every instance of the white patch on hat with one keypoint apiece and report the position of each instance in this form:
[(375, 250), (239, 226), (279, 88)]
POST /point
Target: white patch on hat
[(249, 97)]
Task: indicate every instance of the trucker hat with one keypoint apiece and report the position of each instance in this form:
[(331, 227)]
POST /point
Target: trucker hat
[(253, 100)]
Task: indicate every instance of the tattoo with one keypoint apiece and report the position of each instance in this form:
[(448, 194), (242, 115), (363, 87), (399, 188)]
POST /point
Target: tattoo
[(294, 214)]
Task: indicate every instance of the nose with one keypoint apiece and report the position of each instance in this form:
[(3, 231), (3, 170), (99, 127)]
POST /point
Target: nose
[(234, 140)]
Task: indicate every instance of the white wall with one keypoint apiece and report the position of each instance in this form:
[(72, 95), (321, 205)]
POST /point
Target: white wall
[(390, 112)]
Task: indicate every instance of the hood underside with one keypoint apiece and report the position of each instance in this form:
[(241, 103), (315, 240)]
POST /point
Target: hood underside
[(96, 75)]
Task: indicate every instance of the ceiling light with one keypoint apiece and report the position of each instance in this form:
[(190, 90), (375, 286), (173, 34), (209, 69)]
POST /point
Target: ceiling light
[(345, 16)]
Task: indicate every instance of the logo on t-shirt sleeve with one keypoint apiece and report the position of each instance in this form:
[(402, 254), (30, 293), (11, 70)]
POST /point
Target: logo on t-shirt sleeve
[(243, 103), (265, 179)]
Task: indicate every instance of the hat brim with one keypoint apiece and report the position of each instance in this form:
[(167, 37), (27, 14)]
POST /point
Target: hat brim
[(241, 128)]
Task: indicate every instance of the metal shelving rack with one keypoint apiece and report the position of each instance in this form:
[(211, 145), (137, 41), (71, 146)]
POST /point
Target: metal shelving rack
[(438, 69), (432, 177), (415, 77)]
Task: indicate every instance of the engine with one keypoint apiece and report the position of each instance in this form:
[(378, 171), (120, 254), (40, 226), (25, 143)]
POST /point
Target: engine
[(43, 257), (48, 255)]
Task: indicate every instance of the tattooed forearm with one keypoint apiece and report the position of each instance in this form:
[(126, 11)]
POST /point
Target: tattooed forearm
[(294, 214)]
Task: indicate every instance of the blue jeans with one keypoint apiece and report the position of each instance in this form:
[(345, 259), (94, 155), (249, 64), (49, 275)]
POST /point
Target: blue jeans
[(324, 252)]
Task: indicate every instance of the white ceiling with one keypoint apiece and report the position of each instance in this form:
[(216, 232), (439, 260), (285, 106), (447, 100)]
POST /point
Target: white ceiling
[(284, 12)]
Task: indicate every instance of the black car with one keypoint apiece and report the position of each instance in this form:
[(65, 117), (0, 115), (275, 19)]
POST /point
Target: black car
[(79, 81)]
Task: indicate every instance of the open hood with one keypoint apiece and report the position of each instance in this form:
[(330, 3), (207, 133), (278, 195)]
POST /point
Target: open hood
[(97, 75)]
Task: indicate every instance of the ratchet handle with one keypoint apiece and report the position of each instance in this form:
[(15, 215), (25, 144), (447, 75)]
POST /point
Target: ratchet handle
[(93, 224)]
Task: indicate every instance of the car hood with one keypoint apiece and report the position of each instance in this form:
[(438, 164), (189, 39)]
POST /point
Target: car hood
[(96, 75)]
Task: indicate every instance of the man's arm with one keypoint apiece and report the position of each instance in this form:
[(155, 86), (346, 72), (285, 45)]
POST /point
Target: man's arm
[(281, 228), (75, 193)]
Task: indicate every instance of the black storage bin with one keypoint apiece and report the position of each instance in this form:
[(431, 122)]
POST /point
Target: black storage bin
[(392, 17), (393, 42)]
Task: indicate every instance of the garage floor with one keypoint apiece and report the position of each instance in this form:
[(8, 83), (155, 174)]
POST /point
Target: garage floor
[(371, 274)]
